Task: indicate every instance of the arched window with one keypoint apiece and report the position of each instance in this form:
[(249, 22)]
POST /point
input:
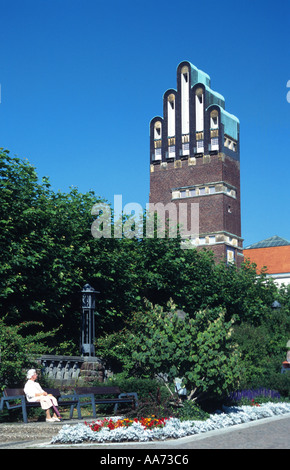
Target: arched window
[(214, 116), (157, 130)]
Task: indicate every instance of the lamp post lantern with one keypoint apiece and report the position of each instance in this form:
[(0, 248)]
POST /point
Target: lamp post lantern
[(88, 320)]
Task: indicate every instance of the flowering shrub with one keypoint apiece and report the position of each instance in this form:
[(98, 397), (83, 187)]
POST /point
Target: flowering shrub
[(245, 396), (147, 423)]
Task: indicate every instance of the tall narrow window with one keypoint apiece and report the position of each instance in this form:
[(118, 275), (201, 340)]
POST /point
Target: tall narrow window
[(157, 140), (171, 115), (185, 100), (171, 125), (199, 109)]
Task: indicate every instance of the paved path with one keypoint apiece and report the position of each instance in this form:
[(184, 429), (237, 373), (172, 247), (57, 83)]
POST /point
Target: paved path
[(268, 433)]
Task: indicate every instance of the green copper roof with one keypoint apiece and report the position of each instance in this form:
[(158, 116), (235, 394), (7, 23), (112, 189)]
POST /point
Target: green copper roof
[(268, 242), (198, 76), (230, 122), (214, 97)]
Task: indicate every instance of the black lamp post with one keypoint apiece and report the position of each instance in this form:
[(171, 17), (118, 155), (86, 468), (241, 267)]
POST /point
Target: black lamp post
[(88, 320)]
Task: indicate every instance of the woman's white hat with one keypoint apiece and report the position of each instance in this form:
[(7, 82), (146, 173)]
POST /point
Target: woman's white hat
[(30, 373)]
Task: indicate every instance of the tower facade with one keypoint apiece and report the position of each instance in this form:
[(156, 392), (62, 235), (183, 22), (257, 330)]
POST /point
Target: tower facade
[(195, 158)]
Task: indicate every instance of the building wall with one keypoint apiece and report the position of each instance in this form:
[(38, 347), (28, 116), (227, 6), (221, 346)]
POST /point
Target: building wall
[(219, 211), (277, 258)]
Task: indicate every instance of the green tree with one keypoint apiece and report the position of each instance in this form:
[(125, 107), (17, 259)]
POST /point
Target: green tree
[(45, 246), (242, 293), (18, 351)]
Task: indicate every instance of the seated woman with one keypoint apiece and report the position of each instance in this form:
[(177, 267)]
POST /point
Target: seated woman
[(34, 393)]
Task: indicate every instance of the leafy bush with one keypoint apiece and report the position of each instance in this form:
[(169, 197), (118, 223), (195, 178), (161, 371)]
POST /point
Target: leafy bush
[(280, 382), (191, 410), (144, 387), (262, 350), (158, 405), (198, 349)]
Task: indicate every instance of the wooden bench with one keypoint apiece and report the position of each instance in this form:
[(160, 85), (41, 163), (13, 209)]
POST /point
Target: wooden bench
[(15, 398), (99, 395)]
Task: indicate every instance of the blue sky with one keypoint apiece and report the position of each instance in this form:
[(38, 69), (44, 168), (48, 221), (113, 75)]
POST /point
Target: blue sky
[(81, 80)]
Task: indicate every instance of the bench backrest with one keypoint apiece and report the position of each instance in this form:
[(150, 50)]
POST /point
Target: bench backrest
[(98, 390), (15, 392), (54, 391)]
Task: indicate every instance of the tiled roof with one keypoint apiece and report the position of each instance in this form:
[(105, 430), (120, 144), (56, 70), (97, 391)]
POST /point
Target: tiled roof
[(268, 242)]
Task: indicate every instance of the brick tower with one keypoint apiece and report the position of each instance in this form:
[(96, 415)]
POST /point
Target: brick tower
[(195, 158)]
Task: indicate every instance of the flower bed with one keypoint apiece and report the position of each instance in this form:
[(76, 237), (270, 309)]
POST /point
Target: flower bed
[(148, 429), (147, 423)]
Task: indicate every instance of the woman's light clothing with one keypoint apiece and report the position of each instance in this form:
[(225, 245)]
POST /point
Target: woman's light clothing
[(32, 388)]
